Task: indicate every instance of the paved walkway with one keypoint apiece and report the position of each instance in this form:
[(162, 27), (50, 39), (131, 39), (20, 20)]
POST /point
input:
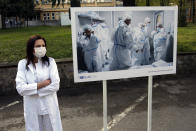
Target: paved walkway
[(174, 106)]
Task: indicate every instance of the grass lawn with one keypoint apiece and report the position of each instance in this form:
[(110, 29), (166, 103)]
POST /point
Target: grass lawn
[(13, 41), (187, 39)]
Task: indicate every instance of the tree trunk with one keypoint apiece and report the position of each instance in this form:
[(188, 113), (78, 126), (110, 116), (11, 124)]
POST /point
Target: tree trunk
[(128, 2), (161, 3), (182, 14), (16, 24), (27, 21), (164, 2), (190, 11), (193, 14), (3, 21), (147, 2)]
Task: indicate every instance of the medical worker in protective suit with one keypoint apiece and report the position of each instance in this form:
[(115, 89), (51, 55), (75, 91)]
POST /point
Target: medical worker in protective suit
[(101, 31), (82, 42), (169, 45), (147, 22), (123, 42), (148, 49), (138, 48), (92, 52), (159, 42)]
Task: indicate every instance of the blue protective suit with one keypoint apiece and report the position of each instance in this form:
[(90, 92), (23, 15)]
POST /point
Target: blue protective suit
[(160, 45), (102, 33), (92, 55), (137, 53), (169, 48), (123, 42), (82, 42)]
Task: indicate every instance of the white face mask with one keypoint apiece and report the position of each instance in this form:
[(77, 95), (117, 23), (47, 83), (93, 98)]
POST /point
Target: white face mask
[(40, 52), (158, 29)]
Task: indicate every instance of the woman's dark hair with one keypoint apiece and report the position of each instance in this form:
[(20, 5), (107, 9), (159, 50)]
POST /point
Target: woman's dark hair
[(30, 48)]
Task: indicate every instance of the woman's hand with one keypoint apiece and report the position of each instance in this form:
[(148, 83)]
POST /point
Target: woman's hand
[(43, 84)]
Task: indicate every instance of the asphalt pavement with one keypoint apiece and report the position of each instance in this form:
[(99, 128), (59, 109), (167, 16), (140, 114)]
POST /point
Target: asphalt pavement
[(173, 106)]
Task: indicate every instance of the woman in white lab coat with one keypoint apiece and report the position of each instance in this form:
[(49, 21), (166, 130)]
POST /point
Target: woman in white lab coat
[(37, 80)]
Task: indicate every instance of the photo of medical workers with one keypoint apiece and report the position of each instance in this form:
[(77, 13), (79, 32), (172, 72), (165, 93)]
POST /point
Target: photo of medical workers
[(123, 40)]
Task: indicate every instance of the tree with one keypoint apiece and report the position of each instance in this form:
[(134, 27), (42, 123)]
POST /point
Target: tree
[(3, 11), (13, 8), (28, 9), (193, 10), (182, 13), (164, 2)]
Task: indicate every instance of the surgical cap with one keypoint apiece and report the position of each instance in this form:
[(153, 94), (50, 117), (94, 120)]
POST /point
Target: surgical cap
[(87, 27), (126, 17), (159, 24), (147, 20)]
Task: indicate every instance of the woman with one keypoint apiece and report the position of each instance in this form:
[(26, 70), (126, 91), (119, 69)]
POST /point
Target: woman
[(37, 80)]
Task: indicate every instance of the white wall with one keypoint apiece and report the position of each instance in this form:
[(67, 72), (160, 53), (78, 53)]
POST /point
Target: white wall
[(112, 18), (137, 17), (81, 22), (64, 16), (108, 18), (168, 20)]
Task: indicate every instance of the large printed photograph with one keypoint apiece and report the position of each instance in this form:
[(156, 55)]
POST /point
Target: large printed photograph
[(113, 43)]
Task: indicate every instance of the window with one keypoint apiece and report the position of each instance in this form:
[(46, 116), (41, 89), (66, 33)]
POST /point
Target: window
[(53, 16), (48, 16), (44, 16)]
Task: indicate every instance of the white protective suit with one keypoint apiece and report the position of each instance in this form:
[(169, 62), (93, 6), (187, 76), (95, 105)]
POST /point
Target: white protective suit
[(123, 43), (44, 98), (160, 44), (138, 48), (92, 55), (101, 31), (148, 47), (147, 22)]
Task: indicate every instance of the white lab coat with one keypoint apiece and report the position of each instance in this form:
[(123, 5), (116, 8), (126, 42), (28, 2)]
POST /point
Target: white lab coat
[(26, 86)]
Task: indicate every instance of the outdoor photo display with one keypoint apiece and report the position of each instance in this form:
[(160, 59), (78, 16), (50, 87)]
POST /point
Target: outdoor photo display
[(123, 42)]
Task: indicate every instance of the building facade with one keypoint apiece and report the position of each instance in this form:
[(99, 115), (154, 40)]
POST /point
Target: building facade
[(60, 14)]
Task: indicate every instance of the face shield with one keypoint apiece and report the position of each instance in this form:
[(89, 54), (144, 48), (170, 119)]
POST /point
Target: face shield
[(87, 30), (159, 27)]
